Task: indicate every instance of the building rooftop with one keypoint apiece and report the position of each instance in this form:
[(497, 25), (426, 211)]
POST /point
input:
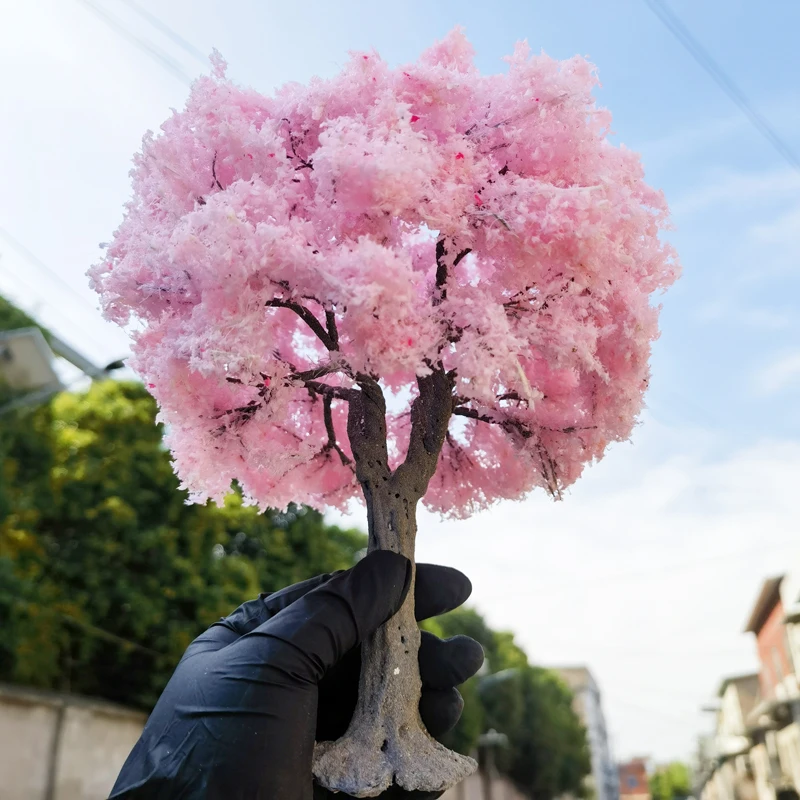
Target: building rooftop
[(770, 594), (749, 688), (577, 678)]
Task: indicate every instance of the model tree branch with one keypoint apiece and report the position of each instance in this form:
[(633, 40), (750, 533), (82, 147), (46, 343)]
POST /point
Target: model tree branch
[(404, 285)]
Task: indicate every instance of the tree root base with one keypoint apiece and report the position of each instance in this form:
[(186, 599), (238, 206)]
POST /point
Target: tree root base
[(363, 764)]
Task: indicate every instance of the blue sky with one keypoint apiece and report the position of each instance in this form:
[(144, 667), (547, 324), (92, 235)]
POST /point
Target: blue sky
[(647, 570)]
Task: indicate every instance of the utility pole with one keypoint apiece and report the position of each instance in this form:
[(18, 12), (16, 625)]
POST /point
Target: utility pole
[(487, 743)]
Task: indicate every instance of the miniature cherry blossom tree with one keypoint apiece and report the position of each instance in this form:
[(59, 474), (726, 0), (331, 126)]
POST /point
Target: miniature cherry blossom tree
[(471, 248)]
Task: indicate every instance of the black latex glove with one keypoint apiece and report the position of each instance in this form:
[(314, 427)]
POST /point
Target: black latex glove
[(239, 717)]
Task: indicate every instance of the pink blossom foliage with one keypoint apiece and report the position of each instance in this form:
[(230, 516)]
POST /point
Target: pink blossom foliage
[(277, 242)]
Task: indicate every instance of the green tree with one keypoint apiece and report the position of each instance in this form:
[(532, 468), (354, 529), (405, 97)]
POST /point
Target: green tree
[(547, 753), (13, 318), (113, 573), (24, 446), (671, 781)]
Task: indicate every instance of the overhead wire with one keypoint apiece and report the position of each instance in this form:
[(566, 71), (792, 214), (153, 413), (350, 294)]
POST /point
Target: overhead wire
[(70, 321), (140, 42), (22, 250), (170, 33), (36, 261), (676, 27)]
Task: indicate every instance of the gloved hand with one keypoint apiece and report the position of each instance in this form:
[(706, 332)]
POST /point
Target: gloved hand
[(239, 717)]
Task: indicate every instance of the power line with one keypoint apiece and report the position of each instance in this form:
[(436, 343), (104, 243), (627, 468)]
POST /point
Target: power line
[(722, 79), (56, 309), (29, 256), (193, 51), (36, 261), (64, 317), (146, 46)]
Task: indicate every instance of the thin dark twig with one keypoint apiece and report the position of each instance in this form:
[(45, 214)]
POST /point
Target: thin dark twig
[(326, 390), (473, 414), (548, 470), (320, 372), (571, 428), (315, 387), (308, 318), (461, 255), (547, 464), (289, 433), (513, 396), (304, 164), (214, 170), (332, 444)]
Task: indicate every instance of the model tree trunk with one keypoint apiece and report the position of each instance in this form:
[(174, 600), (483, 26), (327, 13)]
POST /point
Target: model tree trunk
[(386, 742)]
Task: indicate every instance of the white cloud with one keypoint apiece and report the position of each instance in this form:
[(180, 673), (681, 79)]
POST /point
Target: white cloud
[(785, 230), (645, 572), (706, 137), (729, 311), (690, 139), (780, 374), (743, 189)]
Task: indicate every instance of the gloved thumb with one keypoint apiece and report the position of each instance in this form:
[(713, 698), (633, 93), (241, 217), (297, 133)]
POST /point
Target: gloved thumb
[(322, 625)]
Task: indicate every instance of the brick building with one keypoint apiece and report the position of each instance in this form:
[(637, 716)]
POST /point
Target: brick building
[(634, 783), (754, 753), (775, 721)]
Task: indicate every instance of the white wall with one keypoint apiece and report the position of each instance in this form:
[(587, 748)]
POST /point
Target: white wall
[(74, 745), (471, 789)]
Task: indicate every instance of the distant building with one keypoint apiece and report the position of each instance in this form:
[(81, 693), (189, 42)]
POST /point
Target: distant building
[(634, 783), (754, 753), (588, 707), (774, 723), (728, 774)]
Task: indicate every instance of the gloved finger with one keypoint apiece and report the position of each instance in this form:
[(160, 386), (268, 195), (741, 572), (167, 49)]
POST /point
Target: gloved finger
[(248, 616), (440, 709), (439, 590), (274, 603), (327, 622), (444, 663)]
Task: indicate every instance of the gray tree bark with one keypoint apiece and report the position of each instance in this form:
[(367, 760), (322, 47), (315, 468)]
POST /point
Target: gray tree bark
[(386, 743)]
